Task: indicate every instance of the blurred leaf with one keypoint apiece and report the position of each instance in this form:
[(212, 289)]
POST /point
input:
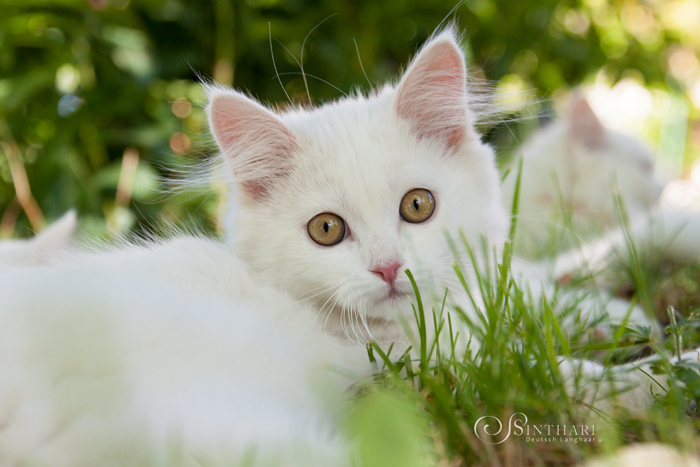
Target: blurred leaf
[(390, 431)]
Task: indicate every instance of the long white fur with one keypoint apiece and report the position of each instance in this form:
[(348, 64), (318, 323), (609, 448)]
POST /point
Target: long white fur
[(139, 355)]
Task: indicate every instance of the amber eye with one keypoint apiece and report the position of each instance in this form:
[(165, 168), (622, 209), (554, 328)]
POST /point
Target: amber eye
[(417, 206), (326, 229)]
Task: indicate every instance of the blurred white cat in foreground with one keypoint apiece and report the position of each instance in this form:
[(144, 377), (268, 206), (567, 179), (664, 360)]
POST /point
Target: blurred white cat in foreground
[(186, 351)]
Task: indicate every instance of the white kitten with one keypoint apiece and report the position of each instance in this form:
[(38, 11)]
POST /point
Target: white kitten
[(574, 167), (44, 247), (139, 353)]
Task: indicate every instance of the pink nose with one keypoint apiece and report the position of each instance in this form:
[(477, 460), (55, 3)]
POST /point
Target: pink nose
[(388, 271)]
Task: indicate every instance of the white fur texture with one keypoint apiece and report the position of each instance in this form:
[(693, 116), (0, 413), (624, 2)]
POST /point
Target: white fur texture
[(149, 355)]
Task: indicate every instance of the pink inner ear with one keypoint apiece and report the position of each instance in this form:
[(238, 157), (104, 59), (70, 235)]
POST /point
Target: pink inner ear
[(229, 122), (585, 126), (256, 143), (433, 95)]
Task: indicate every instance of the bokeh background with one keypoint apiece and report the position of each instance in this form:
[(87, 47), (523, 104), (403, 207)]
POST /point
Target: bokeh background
[(99, 98)]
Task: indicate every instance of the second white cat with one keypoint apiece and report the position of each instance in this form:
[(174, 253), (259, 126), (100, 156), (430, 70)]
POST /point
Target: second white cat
[(572, 171)]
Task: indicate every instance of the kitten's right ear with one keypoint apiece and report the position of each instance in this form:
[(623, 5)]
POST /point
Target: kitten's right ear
[(432, 95), (584, 125), (256, 144)]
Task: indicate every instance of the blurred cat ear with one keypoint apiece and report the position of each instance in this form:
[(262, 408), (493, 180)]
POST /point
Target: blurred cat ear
[(432, 94), (256, 144), (56, 237), (584, 125)]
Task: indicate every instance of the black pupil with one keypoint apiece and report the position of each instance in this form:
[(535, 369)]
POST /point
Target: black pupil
[(326, 227), (416, 203)]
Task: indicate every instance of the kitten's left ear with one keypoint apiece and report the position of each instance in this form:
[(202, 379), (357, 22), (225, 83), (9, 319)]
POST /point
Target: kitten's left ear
[(432, 94)]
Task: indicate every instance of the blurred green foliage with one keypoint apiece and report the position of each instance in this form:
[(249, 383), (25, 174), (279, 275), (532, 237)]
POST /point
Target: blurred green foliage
[(98, 97)]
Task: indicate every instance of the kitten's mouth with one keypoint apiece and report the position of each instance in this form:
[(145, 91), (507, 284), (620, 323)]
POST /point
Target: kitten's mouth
[(395, 295)]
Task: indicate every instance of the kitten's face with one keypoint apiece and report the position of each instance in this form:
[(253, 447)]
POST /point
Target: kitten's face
[(361, 174), (355, 162)]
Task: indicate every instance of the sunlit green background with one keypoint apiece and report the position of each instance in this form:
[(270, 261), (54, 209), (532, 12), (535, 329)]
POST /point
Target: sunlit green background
[(99, 97)]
